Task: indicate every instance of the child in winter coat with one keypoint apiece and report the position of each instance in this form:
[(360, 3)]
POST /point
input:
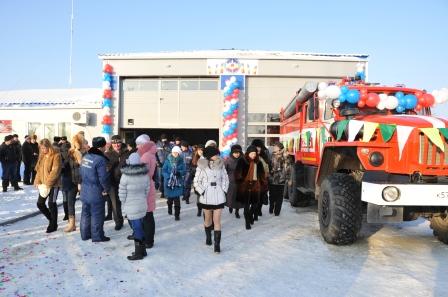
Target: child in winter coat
[(173, 179), (133, 190)]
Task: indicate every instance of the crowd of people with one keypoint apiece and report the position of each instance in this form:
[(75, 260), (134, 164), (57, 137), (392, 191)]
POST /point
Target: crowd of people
[(117, 181)]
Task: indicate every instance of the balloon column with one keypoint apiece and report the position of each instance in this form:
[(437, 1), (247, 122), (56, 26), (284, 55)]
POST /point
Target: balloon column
[(108, 88), (230, 115)]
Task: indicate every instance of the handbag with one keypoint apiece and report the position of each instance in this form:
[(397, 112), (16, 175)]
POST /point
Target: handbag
[(44, 191)]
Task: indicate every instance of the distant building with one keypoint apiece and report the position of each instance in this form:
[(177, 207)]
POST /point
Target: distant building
[(49, 113)]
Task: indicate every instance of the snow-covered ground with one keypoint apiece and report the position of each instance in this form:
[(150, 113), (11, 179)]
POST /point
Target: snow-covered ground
[(15, 204), (280, 256)]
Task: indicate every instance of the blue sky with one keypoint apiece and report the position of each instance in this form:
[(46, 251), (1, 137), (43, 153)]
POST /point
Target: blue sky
[(407, 40)]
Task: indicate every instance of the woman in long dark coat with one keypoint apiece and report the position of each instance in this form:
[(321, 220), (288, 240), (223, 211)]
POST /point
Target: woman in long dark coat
[(251, 182), (236, 152)]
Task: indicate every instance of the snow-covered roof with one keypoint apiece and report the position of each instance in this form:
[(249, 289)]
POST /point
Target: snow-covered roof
[(40, 98), (232, 53)]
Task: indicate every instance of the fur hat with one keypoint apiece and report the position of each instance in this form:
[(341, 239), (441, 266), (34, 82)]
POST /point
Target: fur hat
[(251, 149), (184, 143), (236, 148), (258, 143), (142, 139), (210, 151), (9, 137), (133, 159), (210, 143), (176, 149), (98, 142)]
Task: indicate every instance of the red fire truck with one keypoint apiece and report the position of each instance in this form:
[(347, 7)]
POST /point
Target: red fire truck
[(388, 164)]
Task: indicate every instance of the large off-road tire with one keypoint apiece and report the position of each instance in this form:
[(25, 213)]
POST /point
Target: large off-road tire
[(439, 225), (296, 198), (339, 209)]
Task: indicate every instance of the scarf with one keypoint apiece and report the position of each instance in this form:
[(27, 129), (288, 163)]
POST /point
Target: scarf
[(252, 173)]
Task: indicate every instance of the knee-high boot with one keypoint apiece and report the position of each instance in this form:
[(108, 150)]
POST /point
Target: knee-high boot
[(54, 217), (217, 238), (65, 204), (208, 235)]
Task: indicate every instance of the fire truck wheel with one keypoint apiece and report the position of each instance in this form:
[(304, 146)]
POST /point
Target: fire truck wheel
[(439, 225), (296, 198), (339, 209)]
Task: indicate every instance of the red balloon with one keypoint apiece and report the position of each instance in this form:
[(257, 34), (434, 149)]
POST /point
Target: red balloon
[(363, 94), (428, 100), (418, 107), (108, 68), (107, 94), (418, 94), (361, 103), (372, 100), (236, 91)]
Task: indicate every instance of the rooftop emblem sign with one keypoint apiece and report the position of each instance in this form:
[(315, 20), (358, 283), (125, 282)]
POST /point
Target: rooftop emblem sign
[(232, 66)]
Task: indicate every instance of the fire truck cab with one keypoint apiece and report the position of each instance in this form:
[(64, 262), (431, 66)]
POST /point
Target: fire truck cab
[(389, 164)]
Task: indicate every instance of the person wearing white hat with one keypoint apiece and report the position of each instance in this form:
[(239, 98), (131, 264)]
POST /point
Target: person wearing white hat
[(142, 139), (211, 143), (173, 175), (133, 189)]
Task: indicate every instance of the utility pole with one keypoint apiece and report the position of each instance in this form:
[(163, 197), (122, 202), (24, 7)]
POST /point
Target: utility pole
[(71, 49)]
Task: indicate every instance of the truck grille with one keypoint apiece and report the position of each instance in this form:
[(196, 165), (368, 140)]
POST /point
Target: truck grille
[(429, 154)]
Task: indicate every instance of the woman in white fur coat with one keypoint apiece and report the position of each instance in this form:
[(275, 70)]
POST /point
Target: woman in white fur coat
[(212, 182)]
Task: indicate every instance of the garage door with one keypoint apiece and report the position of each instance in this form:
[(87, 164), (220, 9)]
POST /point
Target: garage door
[(170, 103)]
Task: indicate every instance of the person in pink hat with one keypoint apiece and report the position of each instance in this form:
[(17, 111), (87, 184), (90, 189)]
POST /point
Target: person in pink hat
[(147, 150)]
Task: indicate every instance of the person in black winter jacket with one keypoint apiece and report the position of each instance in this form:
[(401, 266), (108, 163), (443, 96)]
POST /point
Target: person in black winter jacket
[(9, 157), (27, 157), (117, 156), (18, 147), (35, 156)]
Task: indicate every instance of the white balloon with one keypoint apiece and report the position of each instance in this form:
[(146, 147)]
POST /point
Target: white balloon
[(391, 102), (322, 94), (381, 105), (443, 93), (233, 79), (359, 67), (225, 89), (234, 140), (322, 86), (233, 101), (383, 97), (333, 92), (233, 121), (227, 83), (106, 85), (106, 136)]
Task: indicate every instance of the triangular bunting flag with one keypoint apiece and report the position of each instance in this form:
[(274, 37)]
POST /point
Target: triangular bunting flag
[(353, 129), (323, 138), (308, 138), (434, 135), (403, 133), (387, 131), (369, 129), (444, 132), (342, 125)]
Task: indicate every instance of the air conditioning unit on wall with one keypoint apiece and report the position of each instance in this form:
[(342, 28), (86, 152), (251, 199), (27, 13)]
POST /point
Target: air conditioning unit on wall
[(81, 118)]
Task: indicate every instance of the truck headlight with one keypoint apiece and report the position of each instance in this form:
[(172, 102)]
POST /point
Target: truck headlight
[(376, 159), (391, 194)]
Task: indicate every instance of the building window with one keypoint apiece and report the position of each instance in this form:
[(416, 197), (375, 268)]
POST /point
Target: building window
[(272, 141), (256, 117), (273, 117), (49, 131), (33, 128), (149, 85), (189, 85), (130, 85), (169, 85), (273, 129), (208, 85), (328, 109), (65, 129), (256, 129)]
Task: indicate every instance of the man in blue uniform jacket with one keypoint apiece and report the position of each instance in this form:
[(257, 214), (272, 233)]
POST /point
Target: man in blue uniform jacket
[(94, 188)]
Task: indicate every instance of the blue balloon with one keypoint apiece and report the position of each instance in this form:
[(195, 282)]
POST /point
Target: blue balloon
[(361, 75), (353, 96), (342, 97), (107, 77), (107, 129), (107, 103), (237, 105), (399, 95), (411, 101), (400, 108), (344, 89), (402, 101)]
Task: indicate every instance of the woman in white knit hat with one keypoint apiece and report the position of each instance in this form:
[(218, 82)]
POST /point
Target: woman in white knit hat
[(134, 187)]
